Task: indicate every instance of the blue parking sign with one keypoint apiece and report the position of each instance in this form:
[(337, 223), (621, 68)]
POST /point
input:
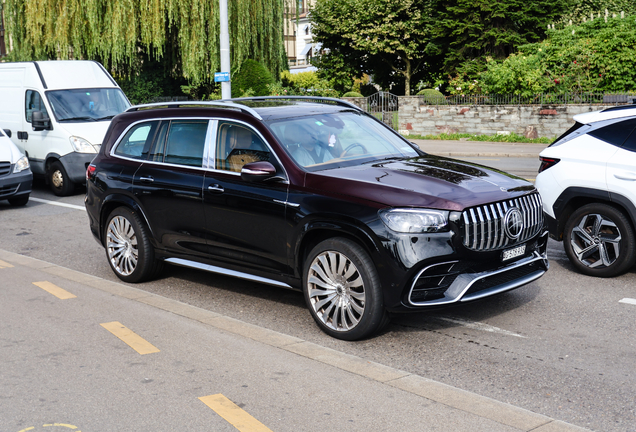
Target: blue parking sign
[(221, 76)]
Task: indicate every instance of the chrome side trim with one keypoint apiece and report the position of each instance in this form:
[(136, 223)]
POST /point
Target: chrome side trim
[(455, 293), (227, 272)]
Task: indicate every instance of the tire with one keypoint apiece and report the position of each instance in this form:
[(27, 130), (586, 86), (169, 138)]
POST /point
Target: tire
[(342, 290), (128, 248), (599, 240), (58, 179), (19, 201)]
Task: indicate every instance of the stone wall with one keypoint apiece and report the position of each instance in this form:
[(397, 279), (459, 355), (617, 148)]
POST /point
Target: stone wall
[(417, 118)]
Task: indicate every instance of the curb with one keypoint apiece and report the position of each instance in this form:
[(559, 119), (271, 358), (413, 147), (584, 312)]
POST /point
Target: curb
[(506, 414)]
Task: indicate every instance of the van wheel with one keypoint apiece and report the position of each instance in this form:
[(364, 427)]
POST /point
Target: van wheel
[(128, 248), (58, 179), (599, 240), (342, 290)]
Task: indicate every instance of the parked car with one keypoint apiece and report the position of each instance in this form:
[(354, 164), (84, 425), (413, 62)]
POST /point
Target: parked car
[(16, 177), (58, 112), (311, 194), (587, 180)]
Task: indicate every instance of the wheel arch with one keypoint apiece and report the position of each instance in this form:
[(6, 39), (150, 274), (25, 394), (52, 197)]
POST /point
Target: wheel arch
[(318, 231), (576, 197), (111, 202)]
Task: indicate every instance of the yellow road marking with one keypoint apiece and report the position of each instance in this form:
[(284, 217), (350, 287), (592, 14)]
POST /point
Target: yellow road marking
[(4, 264), (58, 292), (136, 342), (233, 414), (61, 424)]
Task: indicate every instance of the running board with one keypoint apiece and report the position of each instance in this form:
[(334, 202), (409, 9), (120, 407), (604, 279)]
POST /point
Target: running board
[(224, 271)]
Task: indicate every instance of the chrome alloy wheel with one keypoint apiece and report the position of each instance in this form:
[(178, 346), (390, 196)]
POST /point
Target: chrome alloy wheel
[(596, 241), (57, 178), (336, 291), (122, 245)]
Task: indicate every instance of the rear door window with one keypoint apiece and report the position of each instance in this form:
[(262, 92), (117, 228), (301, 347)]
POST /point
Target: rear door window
[(615, 133), (185, 142)]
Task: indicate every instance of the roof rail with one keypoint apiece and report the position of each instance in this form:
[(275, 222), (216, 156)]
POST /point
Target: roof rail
[(186, 104), (318, 99)]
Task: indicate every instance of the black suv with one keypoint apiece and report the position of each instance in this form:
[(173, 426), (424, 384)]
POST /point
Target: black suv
[(311, 194)]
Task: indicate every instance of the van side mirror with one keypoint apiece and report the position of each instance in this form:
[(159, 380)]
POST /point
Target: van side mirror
[(7, 132), (40, 121)]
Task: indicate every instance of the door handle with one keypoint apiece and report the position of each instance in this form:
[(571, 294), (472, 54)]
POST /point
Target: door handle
[(630, 176), (146, 179), (216, 188)]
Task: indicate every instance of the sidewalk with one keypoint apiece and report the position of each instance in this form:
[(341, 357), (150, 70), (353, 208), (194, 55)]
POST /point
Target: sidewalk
[(386, 397), (479, 148)]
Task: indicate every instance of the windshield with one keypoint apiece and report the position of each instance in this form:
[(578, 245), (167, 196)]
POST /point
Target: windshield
[(87, 104), (326, 141)]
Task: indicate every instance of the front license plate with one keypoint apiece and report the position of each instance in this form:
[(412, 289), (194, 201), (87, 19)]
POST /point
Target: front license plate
[(513, 253)]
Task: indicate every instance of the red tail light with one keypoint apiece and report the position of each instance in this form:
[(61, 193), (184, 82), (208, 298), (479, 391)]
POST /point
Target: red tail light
[(90, 172), (547, 163)]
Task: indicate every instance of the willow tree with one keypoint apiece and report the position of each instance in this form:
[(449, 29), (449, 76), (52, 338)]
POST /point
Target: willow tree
[(182, 32)]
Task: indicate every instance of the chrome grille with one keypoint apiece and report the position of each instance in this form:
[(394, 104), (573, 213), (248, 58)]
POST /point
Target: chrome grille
[(483, 228)]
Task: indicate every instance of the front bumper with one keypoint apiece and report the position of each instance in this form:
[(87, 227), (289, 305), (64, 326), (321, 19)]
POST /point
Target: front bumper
[(14, 185), (458, 281)]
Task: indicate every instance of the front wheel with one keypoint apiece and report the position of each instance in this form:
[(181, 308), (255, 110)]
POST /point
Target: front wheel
[(342, 290), (58, 179), (128, 247), (599, 240)]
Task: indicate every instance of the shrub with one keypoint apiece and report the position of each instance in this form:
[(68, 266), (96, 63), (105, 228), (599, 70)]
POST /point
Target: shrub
[(307, 84), (352, 94), (251, 75), (432, 96)]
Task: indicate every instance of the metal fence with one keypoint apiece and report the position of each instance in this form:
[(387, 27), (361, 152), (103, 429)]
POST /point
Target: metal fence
[(538, 99)]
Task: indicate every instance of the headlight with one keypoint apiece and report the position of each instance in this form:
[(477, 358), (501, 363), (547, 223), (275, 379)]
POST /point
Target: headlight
[(414, 220), (80, 145), (21, 165)]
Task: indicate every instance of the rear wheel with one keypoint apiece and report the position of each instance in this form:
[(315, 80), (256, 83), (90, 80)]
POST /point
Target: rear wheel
[(342, 290), (128, 247), (58, 179), (599, 240)]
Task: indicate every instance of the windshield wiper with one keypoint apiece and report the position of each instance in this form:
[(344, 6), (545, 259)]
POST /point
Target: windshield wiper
[(77, 118), (108, 117)]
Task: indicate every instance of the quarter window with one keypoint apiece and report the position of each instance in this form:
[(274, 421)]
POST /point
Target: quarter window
[(237, 145), (34, 102), (137, 140)]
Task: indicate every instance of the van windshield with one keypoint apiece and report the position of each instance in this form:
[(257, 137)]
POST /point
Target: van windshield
[(87, 104)]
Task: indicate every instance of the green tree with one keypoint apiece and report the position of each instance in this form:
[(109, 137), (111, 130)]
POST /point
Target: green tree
[(362, 32), (469, 31), (183, 34), (594, 56), (253, 76)]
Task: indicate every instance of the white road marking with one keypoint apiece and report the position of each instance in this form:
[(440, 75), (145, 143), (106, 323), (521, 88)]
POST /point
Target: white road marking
[(73, 206), (480, 326), (628, 301)]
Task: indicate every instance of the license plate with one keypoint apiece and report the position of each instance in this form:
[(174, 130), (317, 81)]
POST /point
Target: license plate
[(513, 253)]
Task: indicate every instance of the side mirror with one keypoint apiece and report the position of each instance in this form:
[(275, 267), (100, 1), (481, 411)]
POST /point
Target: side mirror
[(40, 121), (416, 145), (258, 171), (7, 132)]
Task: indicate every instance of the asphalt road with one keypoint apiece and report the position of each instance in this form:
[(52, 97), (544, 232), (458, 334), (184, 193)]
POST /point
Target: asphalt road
[(563, 346)]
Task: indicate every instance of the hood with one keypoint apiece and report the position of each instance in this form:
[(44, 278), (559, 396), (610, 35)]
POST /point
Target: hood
[(427, 181), (8, 151), (92, 131)]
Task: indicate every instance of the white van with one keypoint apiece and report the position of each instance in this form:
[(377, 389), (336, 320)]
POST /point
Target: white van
[(57, 113)]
